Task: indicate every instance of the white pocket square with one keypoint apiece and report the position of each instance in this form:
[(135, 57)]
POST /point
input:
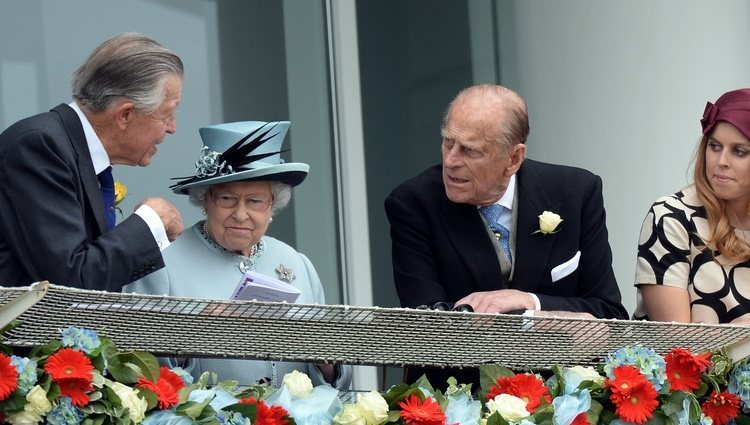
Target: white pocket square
[(565, 268)]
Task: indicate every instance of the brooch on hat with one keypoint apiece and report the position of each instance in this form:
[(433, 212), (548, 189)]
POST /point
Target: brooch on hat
[(210, 164)]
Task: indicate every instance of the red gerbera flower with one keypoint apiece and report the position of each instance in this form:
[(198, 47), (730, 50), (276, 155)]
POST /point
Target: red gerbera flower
[(639, 405), (417, 412), (581, 419), (532, 390), (273, 415), (69, 364), (503, 385), (165, 388), (527, 387), (684, 369), (721, 407), (8, 377), (77, 390), (626, 378), (633, 395)]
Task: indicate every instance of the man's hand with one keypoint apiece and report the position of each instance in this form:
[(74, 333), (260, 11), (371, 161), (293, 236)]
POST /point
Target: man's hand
[(500, 301), (170, 216)]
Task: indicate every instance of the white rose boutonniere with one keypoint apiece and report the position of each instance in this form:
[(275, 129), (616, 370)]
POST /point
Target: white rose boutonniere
[(548, 222)]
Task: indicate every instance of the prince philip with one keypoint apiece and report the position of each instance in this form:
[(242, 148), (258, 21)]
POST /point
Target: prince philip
[(468, 231)]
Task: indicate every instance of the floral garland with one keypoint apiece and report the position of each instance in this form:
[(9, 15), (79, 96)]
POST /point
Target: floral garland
[(84, 379)]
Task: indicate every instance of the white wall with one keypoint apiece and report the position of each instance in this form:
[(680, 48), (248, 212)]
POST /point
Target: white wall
[(618, 87)]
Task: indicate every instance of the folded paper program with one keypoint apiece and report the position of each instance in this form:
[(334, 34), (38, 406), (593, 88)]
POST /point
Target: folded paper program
[(259, 287)]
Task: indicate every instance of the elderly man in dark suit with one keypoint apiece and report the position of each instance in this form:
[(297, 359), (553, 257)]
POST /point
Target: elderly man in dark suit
[(56, 187), (469, 231)]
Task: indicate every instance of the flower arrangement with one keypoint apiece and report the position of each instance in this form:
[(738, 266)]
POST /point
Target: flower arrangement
[(84, 379)]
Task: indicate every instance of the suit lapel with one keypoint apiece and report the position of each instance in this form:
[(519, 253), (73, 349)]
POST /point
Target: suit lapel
[(89, 181), (467, 233), (532, 249)]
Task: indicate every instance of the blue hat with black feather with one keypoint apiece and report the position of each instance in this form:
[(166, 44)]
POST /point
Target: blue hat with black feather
[(240, 151)]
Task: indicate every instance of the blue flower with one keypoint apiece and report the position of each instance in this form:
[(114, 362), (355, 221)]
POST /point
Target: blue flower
[(462, 410), (26, 369), (652, 365), (739, 381), (220, 397), (231, 418), (81, 339), (166, 417), (568, 406), (186, 377), (65, 413), (319, 408)]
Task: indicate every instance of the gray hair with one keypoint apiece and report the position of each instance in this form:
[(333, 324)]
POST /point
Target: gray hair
[(514, 128), (281, 192), (129, 65)]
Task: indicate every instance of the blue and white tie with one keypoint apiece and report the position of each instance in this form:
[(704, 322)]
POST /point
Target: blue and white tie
[(491, 214)]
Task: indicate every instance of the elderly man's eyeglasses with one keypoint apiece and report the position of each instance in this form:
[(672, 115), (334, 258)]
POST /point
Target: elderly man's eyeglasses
[(230, 200)]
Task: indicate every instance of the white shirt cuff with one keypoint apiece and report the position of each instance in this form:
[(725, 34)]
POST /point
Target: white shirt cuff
[(155, 225), (537, 304)]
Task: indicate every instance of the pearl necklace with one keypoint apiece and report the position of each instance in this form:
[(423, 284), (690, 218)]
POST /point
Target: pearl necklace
[(246, 263)]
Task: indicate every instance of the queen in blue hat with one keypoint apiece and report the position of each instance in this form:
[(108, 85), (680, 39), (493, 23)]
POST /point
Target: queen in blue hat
[(240, 181)]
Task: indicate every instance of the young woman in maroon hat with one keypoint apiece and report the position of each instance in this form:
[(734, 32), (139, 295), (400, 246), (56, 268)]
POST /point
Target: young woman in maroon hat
[(694, 248)]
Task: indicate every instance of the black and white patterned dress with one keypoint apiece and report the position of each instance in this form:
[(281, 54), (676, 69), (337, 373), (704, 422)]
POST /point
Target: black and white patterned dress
[(671, 252)]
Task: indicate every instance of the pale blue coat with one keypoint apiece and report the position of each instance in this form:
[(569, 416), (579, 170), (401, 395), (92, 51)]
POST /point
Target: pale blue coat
[(196, 268)]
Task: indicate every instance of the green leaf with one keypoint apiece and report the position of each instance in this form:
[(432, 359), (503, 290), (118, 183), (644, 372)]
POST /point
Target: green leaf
[(126, 367), (248, 410), (196, 410), (496, 419), (393, 415), (594, 412), (149, 396)]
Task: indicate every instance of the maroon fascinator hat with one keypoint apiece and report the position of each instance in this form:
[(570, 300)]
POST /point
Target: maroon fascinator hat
[(732, 107)]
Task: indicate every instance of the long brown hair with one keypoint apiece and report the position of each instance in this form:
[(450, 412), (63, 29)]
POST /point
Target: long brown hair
[(721, 233)]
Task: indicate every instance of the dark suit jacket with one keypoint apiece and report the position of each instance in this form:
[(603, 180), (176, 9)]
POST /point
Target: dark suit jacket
[(52, 223), (441, 250)]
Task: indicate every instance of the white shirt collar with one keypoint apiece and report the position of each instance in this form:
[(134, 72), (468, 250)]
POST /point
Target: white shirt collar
[(99, 156), (507, 199)]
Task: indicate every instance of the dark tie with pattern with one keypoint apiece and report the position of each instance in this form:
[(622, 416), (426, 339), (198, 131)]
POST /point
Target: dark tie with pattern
[(107, 186), (491, 214)]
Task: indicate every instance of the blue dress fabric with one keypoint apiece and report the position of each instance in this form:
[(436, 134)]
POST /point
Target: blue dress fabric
[(197, 268)]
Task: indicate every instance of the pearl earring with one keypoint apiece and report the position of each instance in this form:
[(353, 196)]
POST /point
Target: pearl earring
[(270, 219), (204, 213)]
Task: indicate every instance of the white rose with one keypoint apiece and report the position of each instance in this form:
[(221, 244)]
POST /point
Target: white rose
[(298, 384), (374, 407), (131, 401), (548, 222), (351, 414), (588, 374), (24, 418), (37, 401), (510, 407)]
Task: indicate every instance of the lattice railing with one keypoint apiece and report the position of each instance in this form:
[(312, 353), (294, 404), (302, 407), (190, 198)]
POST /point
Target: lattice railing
[(171, 326)]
